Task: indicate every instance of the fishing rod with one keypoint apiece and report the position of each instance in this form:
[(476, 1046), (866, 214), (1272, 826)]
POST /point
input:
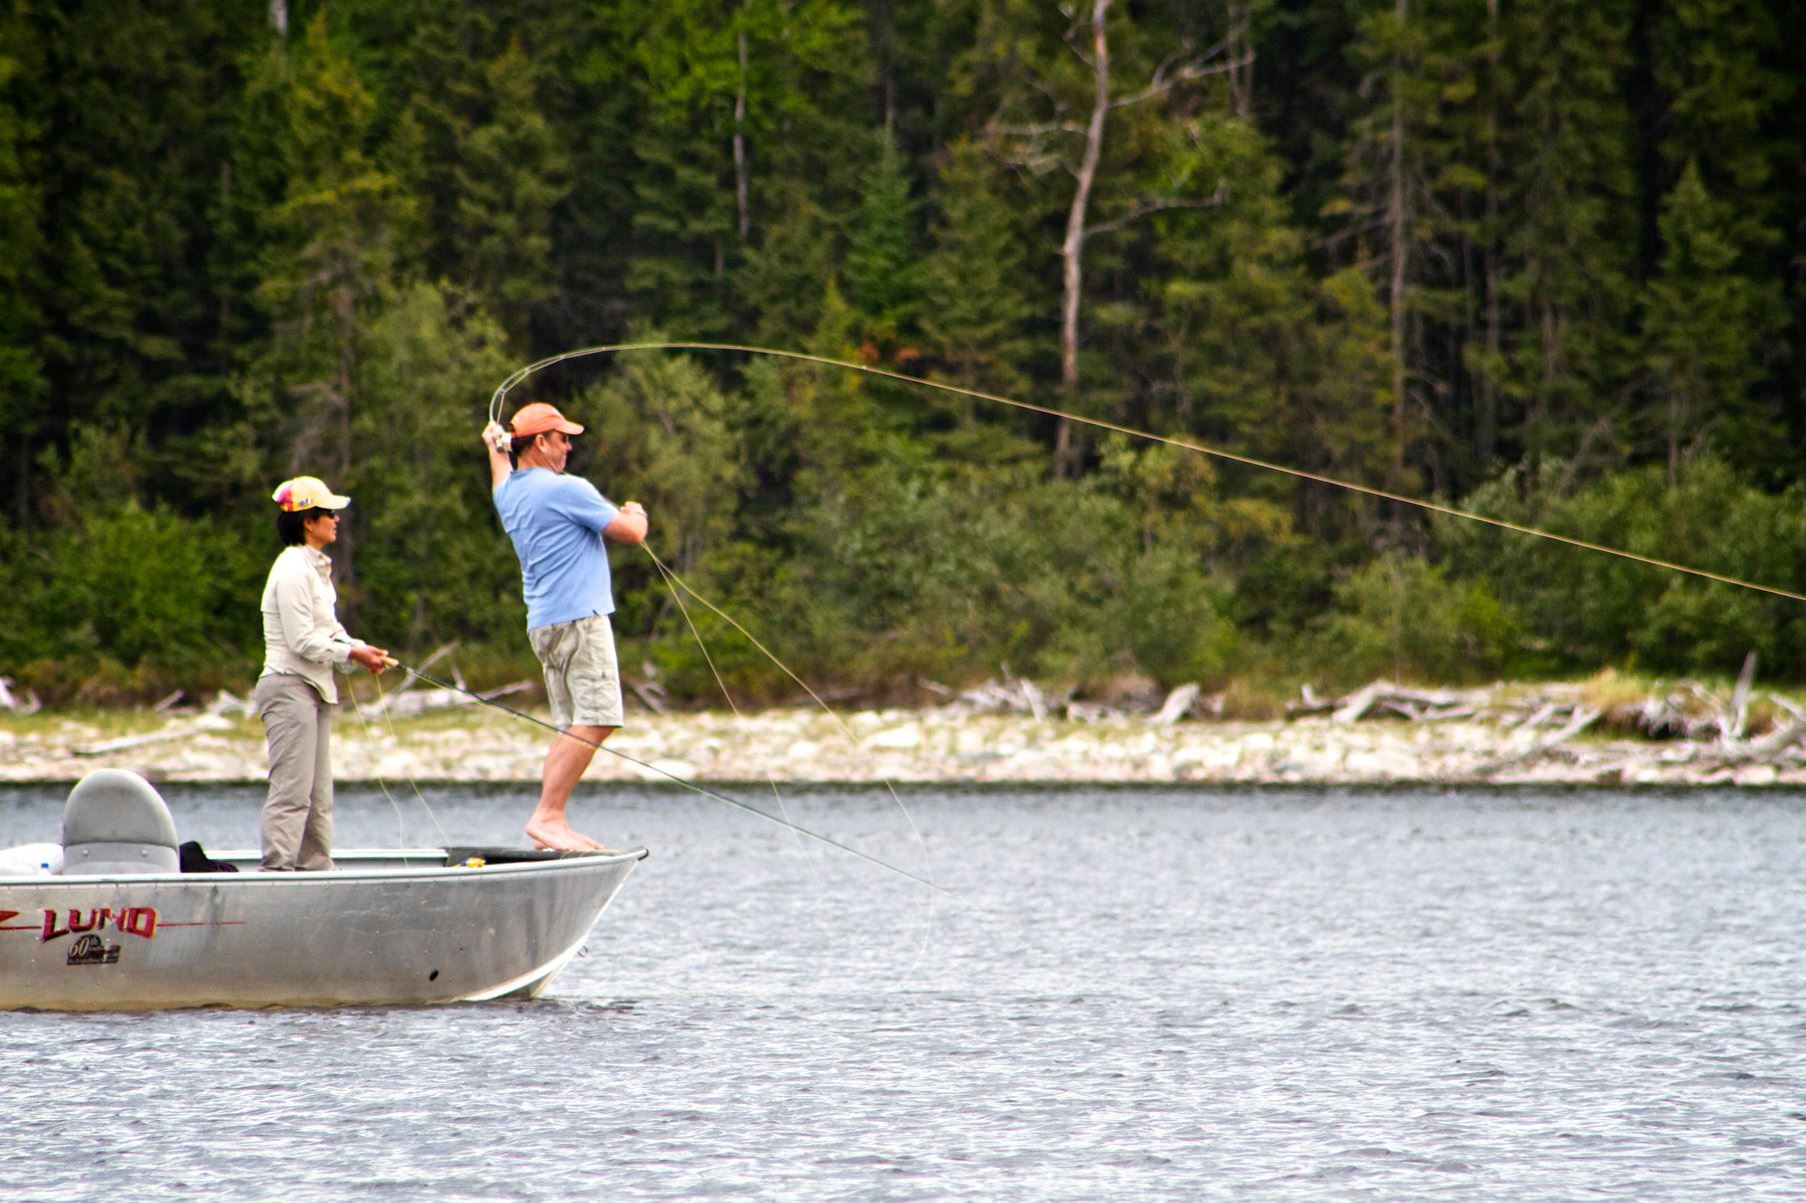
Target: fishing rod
[(1434, 507), (391, 662)]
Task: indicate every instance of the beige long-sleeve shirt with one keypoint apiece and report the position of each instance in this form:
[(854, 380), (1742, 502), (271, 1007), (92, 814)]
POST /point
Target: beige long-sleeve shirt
[(301, 632)]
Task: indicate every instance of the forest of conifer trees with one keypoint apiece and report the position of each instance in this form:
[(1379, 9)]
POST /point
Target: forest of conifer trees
[(1540, 259)]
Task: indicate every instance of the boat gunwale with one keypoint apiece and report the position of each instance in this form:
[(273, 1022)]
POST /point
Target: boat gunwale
[(404, 873)]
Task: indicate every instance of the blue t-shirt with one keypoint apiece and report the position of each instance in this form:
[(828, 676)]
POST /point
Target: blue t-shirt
[(556, 523)]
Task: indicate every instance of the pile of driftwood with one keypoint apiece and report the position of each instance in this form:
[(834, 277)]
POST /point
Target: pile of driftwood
[(1685, 710), (1383, 699), (1011, 694), (401, 701), (1710, 730), (405, 701)]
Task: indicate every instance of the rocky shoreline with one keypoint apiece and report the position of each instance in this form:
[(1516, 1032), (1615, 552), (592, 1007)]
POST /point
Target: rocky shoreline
[(942, 745)]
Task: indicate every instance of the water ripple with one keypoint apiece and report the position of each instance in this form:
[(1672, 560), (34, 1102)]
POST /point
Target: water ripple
[(1170, 995)]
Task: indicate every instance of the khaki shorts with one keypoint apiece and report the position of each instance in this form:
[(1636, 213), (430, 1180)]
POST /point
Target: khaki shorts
[(583, 683)]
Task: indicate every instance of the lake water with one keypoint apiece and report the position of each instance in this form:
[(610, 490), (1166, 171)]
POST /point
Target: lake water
[(1147, 994)]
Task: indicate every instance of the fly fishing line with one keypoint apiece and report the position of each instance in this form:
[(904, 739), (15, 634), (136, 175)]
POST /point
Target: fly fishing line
[(689, 785), (520, 374)]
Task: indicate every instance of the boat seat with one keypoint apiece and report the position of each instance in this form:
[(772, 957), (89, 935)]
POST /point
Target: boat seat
[(114, 822)]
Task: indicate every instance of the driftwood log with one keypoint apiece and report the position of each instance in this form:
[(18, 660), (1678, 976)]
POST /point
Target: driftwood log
[(407, 705), (1383, 699), (1010, 694), (29, 704), (1711, 732), (178, 729)]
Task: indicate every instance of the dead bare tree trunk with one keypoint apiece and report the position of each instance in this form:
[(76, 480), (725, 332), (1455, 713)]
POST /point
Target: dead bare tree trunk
[(1540, 412), (1488, 423), (1677, 420), (741, 189), (1073, 248), (1033, 148), (1398, 253), (344, 304), (884, 47), (1241, 57), (279, 18)]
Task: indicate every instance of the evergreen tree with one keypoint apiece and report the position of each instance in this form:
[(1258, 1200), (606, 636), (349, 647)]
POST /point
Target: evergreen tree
[(327, 266), (1268, 360), (976, 302), (511, 176), (674, 441), (880, 271), (1704, 321), (1401, 206), (1550, 245), (1720, 92), (725, 109), (786, 278), (1100, 106), (1719, 87), (22, 382), (132, 150), (1566, 259), (432, 564), (428, 67)]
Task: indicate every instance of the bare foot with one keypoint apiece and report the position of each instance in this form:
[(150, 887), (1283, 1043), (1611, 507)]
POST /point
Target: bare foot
[(559, 836)]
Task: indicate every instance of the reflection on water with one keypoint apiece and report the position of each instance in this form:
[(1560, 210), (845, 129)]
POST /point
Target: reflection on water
[(1150, 994)]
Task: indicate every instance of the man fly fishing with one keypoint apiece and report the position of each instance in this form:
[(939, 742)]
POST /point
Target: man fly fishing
[(558, 524)]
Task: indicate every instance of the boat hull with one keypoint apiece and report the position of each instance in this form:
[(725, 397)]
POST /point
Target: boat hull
[(379, 930)]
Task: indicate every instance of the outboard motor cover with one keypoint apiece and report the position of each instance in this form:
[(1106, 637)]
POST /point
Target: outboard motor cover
[(114, 822)]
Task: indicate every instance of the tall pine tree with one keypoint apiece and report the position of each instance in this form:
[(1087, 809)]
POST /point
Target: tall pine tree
[(328, 263), (977, 288), (1704, 316), (511, 175), (21, 260)]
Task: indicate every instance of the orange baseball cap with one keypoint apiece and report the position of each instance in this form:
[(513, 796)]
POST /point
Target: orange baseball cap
[(540, 418), (307, 493)]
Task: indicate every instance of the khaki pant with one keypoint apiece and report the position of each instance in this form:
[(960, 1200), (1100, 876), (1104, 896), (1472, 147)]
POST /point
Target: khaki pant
[(583, 682), (297, 817)]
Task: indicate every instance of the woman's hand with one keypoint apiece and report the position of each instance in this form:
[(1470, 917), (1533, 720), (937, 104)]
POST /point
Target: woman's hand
[(373, 658)]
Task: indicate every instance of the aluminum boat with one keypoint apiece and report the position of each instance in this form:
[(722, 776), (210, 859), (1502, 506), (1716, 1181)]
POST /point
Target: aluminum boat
[(108, 919)]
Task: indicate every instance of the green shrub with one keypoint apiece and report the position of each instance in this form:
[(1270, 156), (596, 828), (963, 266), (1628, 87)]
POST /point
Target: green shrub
[(1401, 617), (1588, 608), (144, 586), (1174, 619)]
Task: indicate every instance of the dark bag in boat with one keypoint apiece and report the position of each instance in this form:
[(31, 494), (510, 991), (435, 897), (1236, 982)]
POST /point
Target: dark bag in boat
[(196, 860)]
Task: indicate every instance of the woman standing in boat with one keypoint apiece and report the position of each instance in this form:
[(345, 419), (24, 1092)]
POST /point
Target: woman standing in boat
[(303, 642)]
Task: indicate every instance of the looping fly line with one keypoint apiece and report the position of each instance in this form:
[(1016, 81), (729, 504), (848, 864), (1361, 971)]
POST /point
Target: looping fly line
[(496, 399)]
